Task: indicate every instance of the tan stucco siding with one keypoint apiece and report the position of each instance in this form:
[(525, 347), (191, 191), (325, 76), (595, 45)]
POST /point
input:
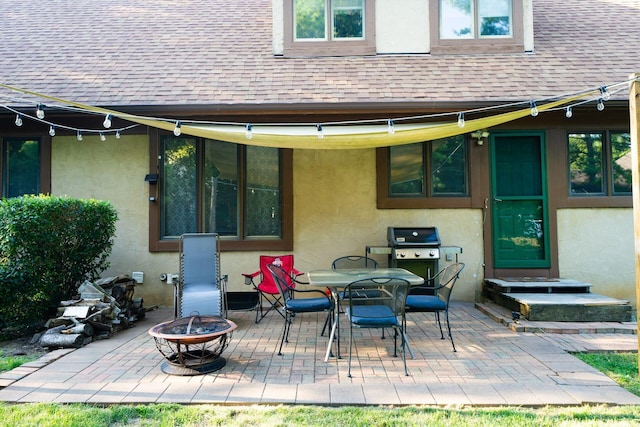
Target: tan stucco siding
[(596, 246), (335, 212)]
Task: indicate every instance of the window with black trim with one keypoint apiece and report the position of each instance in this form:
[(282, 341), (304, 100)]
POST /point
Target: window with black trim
[(329, 27), (599, 163), (241, 192), (20, 166), (429, 169)]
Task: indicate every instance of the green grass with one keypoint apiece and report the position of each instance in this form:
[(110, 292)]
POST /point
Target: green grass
[(7, 363), (45, 415), (623, 367)]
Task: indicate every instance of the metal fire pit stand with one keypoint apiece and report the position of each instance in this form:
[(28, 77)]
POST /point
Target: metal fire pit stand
[(193, 345)]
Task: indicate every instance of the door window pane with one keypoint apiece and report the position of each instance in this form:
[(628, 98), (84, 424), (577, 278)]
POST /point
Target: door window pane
[(310, 20), (585, 164), (179, 187), (448, 170), (220, 187), (21, 168), (456, 19), (406, 169), (262, 200), (348, 19), (494, 18), (621, 162)]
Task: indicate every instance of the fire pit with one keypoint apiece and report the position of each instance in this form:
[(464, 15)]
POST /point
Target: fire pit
[(193, 345)]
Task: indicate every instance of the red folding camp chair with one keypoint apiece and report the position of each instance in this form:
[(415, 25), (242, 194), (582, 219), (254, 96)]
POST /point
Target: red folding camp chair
[(262, 281)]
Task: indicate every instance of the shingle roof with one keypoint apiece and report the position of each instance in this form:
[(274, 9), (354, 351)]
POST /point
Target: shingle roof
[(208, 52)]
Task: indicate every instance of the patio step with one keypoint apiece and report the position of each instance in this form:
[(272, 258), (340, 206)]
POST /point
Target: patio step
[(556, 300)]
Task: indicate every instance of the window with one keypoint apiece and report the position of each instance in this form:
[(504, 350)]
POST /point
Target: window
[(485, 26), (20, 167), (445, 176), (599, 164), (241, 192), (329, 27), (465, 19), (311, 19)]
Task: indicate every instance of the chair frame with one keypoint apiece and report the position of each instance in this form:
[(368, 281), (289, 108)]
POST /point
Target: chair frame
[(287, 293), (445, 279), (207, 255), (396, 296), (269, 294), (354, 261)]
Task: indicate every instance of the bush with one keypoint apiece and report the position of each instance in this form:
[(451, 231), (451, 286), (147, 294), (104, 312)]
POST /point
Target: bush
[(48, 247)]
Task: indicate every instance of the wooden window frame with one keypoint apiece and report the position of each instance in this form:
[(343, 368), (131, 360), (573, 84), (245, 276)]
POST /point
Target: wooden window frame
[(45, 159), (478, 45), (302, 48), (285, 243)]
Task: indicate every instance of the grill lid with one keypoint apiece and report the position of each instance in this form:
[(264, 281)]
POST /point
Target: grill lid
[(413, 236)]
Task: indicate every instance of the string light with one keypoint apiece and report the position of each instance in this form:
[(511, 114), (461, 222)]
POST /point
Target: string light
[(600, 105), (177, 130), (320, 131), (605, 93), (460, 120), (534, 109), (118, 134), (569, 112), (18, 121), (40, 112), (107, 121), (102, 137), (52, 131), (249, 131), (391, 129)]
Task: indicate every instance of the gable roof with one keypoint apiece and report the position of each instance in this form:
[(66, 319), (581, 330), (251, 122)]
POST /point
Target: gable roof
[(219, 53)]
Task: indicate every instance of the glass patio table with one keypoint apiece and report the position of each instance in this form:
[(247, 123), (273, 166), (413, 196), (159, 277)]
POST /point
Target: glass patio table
[(337, 280)]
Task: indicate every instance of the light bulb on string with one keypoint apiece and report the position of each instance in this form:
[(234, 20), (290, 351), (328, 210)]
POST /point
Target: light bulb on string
[(52, 131), (569, 112), (600, 105), (534, 109), (79, 136), (40, 112), (605, 93), (248, 131), (390, 127), (118, 134), (107, 121), (178, 129), (102, 137), (320, 131), (460, 120), (18, 121)]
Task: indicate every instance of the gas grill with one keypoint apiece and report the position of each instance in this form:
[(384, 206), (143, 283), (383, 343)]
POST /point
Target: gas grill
[(416, 249)]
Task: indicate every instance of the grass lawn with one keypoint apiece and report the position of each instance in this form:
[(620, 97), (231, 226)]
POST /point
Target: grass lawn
[(623, 367)]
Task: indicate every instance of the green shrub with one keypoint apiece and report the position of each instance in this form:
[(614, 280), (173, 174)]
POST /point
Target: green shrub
[(48, 247)]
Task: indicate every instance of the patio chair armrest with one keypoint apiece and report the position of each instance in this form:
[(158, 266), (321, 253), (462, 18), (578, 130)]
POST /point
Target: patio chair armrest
[(248, 277), (326, 294)]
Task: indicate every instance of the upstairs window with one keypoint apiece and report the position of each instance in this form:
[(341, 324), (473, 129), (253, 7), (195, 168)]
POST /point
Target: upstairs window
[(484, 26), (329, 19), (473, 19), (329, 27)]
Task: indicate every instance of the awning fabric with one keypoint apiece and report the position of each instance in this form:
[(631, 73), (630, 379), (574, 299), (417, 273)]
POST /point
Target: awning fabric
[(334, 136)]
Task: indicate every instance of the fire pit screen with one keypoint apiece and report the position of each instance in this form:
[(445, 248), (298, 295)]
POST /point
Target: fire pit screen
[(193, 345)]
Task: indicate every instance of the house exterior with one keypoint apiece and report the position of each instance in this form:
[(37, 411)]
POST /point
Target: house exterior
[(257, 62)]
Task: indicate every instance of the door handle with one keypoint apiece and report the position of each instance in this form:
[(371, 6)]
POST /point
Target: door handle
[(495, 199)]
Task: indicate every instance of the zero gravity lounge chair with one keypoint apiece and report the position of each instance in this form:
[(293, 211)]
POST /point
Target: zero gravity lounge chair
[(200, 289)]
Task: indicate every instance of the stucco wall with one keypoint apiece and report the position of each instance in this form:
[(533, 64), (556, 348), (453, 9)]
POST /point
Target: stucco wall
[(334, 212), (597, 246)]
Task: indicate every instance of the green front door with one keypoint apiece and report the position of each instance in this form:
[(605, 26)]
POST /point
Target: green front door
[(519, 193)]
